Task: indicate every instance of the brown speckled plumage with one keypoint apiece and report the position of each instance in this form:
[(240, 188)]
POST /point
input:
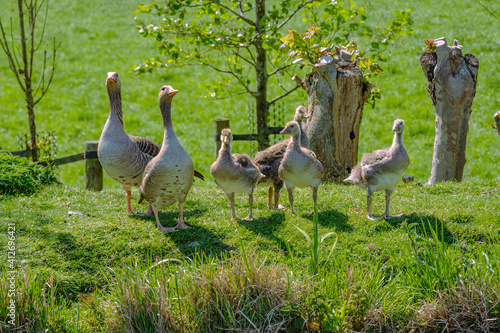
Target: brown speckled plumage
[(168, 176)]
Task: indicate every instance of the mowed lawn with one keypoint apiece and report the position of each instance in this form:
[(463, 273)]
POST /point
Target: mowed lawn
[(101, 36)]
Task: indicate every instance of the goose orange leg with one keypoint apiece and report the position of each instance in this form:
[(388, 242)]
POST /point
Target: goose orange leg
[(180, 223)]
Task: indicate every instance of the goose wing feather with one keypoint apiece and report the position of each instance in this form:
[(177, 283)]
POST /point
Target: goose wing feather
[(145, 145)]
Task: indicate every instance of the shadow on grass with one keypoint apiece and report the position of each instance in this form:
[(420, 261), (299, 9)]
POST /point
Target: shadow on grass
[(266, 227), (332, 218), (424, 225), (193, 240)]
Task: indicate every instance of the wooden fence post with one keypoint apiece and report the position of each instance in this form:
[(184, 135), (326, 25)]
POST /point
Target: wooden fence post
[(93, 169), (219, 125)]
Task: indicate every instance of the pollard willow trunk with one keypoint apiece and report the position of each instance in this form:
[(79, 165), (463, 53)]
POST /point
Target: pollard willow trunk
[(451, 83), (336, 96)]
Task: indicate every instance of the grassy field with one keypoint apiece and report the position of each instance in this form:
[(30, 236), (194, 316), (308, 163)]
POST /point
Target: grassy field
[(87, 266), (102, 37), (366, 268)]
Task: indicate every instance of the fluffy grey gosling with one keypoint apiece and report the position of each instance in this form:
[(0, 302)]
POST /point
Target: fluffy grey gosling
[(268, 161), (381, 170), (168, 177), (299, 167), (234, 173)]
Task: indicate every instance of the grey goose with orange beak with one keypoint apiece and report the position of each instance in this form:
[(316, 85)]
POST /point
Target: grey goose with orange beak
[(169, 175)]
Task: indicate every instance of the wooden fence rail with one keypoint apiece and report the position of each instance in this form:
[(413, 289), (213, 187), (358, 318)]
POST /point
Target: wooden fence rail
[(93, 168)]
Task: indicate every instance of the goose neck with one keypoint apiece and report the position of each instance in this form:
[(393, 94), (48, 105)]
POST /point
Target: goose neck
[(295, 140), (225, 149), (167, 119), (398, 140), (115, 101)]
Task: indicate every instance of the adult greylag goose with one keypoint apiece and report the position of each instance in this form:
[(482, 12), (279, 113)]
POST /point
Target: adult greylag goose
[(269, 160), (299, 167), (169, 175), (381, 170), (123, 156), (234, 173)]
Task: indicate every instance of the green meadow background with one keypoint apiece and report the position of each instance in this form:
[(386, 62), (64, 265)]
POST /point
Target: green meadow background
[(100, 36)]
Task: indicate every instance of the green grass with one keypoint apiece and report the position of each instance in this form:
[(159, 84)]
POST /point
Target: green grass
[(106, 259), (94, 272), (102, 37)]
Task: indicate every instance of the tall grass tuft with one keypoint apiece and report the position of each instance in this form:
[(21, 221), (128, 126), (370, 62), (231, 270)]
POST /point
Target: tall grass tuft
[(239, 293), (314, 243), (37, 307)]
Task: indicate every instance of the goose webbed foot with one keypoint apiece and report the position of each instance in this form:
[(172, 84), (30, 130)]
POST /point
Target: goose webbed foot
[(388, 216), (248, 218), (166, 230), (373, 218), (280, 207), (181, 225)]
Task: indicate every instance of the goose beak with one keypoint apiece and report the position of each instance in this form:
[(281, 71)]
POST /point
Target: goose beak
[(173, 92), (110, 80), (284, 131)]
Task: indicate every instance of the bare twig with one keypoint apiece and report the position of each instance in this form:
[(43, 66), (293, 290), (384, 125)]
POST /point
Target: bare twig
[(277, 98), (480, 3), (231, 73), (297, 79), (299, 7), (244, 59), (241, 16), (277, 70)]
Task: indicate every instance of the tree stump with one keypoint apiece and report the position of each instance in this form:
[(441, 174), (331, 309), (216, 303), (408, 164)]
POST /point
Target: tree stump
[(336, 96), (451, 83)]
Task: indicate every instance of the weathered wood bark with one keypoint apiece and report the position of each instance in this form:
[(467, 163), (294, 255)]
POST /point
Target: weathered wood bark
[(336, 95), (497, 121), (451, 83), (93, 169), (219, 125)]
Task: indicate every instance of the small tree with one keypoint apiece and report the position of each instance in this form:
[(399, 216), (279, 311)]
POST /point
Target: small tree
[(21, 61), (244, 40)]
